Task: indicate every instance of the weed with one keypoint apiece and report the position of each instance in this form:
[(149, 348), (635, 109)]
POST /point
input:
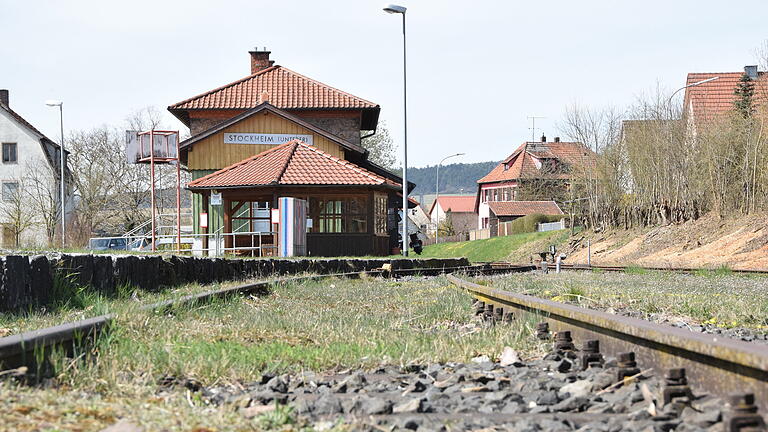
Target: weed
[(635, 270), (280, 417)]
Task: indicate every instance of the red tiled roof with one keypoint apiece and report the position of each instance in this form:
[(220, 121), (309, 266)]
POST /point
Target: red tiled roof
[(455, 203), (523, 208), (292, 163), (716, 98), (286, 89), (524, 162)]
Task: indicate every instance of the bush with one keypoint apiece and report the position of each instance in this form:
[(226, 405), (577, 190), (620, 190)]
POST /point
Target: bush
[(529, 223)]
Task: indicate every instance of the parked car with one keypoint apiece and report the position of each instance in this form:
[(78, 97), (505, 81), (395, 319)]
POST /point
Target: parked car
[(108, 243)]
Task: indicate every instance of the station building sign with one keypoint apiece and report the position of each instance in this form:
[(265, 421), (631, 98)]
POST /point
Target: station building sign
[(264, 138)]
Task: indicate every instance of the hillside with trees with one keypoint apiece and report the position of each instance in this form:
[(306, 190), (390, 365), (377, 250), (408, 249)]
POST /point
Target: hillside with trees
[(454, 178)]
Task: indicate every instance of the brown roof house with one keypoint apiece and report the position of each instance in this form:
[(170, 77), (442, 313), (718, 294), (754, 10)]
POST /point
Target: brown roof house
[(457, 210), (530, 181), (277, 133)]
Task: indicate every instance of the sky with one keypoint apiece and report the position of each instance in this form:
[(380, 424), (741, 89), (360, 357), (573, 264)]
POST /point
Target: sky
[(476, 70)]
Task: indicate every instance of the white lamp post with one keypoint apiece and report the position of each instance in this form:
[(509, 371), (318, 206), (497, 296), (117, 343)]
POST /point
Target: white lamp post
[(395, 9), (60, 104), (437, 195), (669, 101)]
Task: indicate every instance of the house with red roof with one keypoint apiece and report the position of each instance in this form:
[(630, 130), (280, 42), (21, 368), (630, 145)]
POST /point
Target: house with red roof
[(459, 210), (529, 181), (715, 99), (277, 133)]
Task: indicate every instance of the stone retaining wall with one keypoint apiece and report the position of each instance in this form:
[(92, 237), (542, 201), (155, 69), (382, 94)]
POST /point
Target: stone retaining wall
[(27, 281)]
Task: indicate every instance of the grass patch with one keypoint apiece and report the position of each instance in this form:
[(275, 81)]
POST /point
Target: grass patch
[(723, 270), (635, 270), (725, 300), (322, 325), (514, 248)]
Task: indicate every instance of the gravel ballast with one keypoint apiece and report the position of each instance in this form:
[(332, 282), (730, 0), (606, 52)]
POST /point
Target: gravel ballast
[(548, 394)]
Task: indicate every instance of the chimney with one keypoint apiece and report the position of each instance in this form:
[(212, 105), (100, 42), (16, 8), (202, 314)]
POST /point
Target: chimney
[(260, 60), (557, 139), (751, 71), (4, 97), (543, 138)]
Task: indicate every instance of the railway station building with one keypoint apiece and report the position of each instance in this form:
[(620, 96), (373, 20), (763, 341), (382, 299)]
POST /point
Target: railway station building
[(276, 133)]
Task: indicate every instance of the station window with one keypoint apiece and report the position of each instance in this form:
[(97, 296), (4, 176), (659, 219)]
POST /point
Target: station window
[(253, 216), (380, 214), (9, 153), (339, 214)]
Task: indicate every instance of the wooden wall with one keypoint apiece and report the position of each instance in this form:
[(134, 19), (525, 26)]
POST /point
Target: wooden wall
[(212, 154)]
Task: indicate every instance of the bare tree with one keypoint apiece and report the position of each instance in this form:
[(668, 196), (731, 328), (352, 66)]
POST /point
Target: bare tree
[(41, 190), (16, 213), (94, 178)]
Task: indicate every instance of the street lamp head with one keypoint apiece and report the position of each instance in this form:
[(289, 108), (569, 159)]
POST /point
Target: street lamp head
[(704, 81), (394, 9), (52, 103)]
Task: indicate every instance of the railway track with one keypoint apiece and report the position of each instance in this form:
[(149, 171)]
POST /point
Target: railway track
[(607, 268), (715, 365)]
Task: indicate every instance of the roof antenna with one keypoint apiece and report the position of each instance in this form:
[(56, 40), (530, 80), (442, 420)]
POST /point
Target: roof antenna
[(533, 126)]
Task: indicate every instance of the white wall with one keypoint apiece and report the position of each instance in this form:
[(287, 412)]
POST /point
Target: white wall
[(29, 151)]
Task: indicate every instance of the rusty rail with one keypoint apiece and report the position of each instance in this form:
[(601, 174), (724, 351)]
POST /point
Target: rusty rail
[(717, 365), (616, 268)]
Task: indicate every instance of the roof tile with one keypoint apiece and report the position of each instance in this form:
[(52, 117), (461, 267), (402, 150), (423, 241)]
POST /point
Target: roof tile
[(523, 208), (292, 163), (523, 162), (715, 98), (286, 89)]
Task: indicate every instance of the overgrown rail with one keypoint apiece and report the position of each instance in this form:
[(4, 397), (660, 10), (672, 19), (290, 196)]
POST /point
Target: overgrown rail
[(29, 348), (717, 365)]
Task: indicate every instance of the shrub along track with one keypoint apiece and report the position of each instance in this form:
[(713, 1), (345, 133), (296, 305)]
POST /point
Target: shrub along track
[(718, 366)]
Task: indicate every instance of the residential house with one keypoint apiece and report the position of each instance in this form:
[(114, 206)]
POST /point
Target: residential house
[(29, 159), (277, 133), (534, 172), (458, 210), (707, 101)]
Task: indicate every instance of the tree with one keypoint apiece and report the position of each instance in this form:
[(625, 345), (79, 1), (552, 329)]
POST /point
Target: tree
[(745, 92), (381, 148), (41, 190), (16, 212), (446, 227), (92, 161)]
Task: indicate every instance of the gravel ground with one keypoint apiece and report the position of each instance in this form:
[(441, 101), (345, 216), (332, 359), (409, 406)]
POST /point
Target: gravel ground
[(732, 306), (550, 394)]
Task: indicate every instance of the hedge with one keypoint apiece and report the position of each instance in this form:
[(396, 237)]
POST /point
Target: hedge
[(529, 223)]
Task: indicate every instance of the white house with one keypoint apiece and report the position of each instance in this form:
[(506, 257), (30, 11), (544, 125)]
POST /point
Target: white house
[(28, 175)]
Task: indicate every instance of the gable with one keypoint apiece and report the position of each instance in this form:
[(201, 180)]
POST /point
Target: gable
[(31, 144), (212, 153)]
